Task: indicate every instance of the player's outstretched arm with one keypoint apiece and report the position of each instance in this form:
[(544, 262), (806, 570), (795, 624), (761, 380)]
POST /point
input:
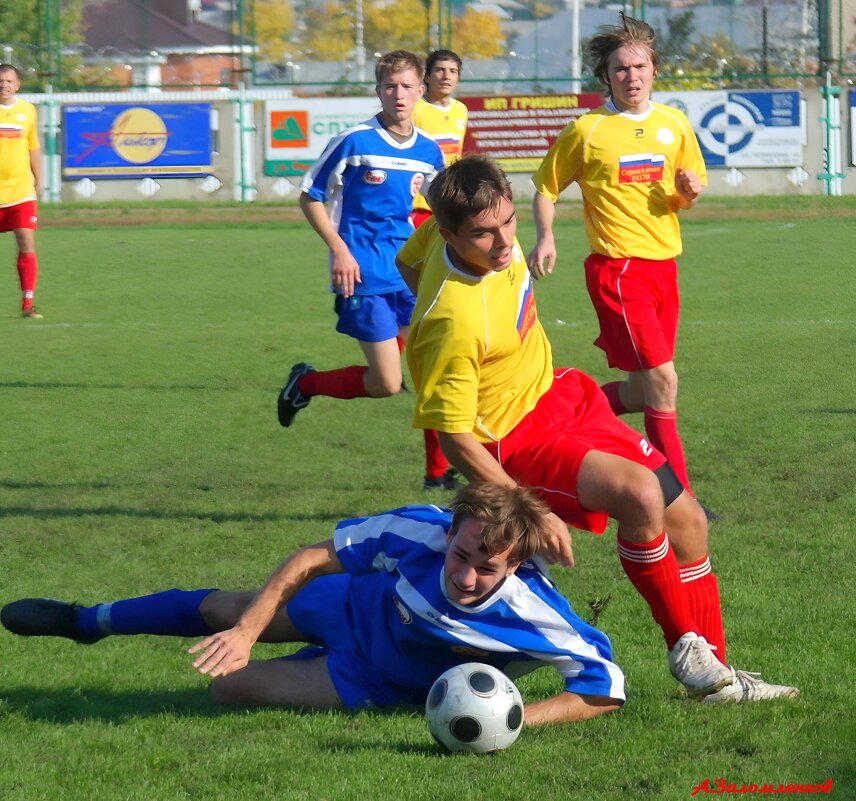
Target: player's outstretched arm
[(468, 455), (227, 651), (567, 707), (344, 270), (542, 258)]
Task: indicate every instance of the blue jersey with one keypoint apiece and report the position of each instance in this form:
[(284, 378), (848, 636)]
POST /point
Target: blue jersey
[(369, 180), (409, 631)]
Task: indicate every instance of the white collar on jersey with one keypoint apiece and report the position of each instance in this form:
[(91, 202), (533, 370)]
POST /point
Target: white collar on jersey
[(629, 114)]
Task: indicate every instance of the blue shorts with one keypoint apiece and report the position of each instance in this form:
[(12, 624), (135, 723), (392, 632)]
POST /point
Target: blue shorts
[(321, 611), (374, 318)]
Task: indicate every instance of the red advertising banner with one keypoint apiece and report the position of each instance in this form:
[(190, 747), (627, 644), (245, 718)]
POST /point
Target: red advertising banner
[(518, 130)]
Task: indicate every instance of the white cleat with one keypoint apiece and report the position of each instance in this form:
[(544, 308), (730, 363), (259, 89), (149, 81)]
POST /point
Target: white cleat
[(748, 687), (693, 664)]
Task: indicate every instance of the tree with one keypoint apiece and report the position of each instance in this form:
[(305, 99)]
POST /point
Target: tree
[(35, 30), (274, 20), (478, 35)]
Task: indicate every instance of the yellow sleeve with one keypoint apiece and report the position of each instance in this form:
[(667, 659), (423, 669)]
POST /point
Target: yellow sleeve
[(562, 164), (414, 250)]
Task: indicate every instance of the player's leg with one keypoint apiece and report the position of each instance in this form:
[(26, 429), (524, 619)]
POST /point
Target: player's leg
[(371, 320), (28, 267), (280, 682)]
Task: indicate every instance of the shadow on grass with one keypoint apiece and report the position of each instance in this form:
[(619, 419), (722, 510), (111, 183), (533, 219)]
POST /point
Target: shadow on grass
[(159, 514)]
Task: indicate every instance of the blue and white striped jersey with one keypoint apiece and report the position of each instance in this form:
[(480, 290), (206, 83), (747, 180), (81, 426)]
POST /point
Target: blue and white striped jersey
[(368, 181), (411, 632)]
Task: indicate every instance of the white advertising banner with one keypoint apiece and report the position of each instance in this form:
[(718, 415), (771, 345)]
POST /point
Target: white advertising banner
[(297, 131), (744, 128)]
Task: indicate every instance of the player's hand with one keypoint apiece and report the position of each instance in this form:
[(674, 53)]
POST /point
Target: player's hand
[(688, 184), (557, 547), (223, 652), (542, 259), (344, 274)]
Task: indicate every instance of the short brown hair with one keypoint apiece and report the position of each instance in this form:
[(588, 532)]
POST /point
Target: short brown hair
[(467, 188), (398, 61), (630, 32), (514, 517)]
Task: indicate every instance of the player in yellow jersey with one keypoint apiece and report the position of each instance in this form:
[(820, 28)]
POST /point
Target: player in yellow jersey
[(444, 119), (484, 378), (638, 164), (20, 179)]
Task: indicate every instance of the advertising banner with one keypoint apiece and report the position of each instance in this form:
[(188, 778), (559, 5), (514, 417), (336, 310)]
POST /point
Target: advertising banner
[(852, 128), (744, 129), (155, 140), (518, 130), (297, 131)]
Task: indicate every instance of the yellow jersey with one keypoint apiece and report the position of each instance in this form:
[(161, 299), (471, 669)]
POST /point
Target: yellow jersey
[(478, 355), (625, 165), (446, 125), (19, 134)]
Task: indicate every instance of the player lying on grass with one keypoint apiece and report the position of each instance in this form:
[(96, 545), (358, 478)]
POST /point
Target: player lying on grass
[(390, 602), (484, 377)]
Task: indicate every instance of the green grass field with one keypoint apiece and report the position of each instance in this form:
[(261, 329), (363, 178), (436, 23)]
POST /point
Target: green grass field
[(140, 450)]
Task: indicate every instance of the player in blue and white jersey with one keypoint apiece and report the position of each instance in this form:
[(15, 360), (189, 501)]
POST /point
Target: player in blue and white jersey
[(390, 602), (358, 197)]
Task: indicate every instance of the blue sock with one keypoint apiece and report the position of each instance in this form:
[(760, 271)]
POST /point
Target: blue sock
[(173, 612)]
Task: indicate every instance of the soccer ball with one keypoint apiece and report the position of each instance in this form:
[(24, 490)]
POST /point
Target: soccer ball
[(474, 707)]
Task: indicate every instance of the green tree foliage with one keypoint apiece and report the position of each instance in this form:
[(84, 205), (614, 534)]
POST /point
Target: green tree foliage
[(28, 27)]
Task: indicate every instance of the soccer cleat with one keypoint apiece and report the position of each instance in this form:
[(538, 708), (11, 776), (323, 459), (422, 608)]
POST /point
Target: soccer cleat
[(748, 687), (44, 617), (694, 665), (711, 516), (31, 313), (449, 481), (291, 400)]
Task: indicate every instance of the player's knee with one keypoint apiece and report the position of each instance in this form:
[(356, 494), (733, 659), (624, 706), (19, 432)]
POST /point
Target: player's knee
[(221, 610), (225, 690), (385, 386), (642, 507)]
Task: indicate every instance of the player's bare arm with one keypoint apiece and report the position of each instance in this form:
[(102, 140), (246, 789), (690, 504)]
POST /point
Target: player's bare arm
[(542, 258), (688, 186), (468, 455), (228, 651), (344, 270), (410, 275), (567, 707)]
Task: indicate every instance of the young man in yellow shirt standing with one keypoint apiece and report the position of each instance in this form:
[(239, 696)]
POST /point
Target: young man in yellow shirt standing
[(20, 178)]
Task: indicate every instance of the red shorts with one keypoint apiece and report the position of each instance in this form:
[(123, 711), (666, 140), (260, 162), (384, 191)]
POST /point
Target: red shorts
[(546, 448), (637, 305), (419, 216), (21, 215)]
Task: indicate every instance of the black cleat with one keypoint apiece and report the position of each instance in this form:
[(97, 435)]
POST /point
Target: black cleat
[(44, 617), (711, 516), (449, 481), (291, 400)]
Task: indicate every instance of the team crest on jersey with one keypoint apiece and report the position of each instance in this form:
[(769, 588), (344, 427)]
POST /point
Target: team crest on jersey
[(403, 611), (416, 183), (641, 168), (374, 177)]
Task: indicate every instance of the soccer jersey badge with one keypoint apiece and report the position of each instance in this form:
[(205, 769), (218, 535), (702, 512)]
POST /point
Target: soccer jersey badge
[(374, 177)]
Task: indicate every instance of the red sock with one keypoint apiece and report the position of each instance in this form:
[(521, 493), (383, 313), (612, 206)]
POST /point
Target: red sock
[(702, 592), (662, 430), (435, 462), (344, 383), (611, 390), (653, 570), (28, 274), (401, 342)]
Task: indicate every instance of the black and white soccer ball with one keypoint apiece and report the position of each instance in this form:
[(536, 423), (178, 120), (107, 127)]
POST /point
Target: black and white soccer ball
[(474, 707)]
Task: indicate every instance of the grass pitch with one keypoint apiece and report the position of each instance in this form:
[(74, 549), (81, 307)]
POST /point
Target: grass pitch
[(140, 450)]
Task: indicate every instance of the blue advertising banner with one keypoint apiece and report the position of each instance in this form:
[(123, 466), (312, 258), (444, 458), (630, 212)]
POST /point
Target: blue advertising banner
[(156, 140), (744, 128)]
